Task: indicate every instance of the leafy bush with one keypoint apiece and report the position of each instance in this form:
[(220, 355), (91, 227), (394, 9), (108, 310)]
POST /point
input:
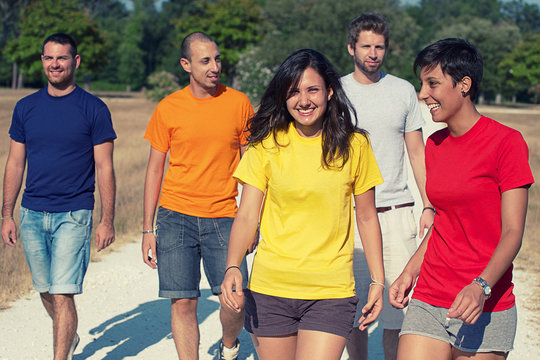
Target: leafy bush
[(160, 84)]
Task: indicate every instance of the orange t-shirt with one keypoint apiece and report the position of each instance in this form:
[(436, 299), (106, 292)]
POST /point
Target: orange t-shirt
[(203, 136)]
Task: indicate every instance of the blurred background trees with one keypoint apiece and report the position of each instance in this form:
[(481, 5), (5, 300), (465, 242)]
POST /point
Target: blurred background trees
[(128, 44)]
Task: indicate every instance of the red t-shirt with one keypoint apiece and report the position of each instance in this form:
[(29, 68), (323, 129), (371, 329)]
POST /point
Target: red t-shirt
[(466, 176)]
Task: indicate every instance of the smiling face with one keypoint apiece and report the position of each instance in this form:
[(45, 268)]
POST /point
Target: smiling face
[(307, 102), (204, 68), (442, 97), (368, 55), (59, 65)]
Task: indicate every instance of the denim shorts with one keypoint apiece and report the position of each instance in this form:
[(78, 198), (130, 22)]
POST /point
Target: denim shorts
[(57, 248), (492, 332), (182, 240), (268, 315)]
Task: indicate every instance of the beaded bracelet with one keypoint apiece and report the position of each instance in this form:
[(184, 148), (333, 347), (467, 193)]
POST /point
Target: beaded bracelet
[(7, 217), (148, 231)]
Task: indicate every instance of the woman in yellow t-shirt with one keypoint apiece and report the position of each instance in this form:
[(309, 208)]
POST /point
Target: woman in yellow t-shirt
[(307, 160)]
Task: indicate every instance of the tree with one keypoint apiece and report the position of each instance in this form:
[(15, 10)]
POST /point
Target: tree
[(494, 40), (525, 16), (45, 17), (322, 25), (520, 69), (432, 15), (233, 24), (9, 14)]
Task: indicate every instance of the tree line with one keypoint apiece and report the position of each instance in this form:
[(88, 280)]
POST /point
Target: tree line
[(139, 47)]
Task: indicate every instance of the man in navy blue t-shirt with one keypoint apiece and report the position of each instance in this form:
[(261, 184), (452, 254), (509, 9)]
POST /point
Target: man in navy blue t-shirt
[(66, 136)]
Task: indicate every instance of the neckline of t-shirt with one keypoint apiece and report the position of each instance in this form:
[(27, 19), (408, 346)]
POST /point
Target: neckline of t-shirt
[(308, 140), (475, 129), (220, 90), (62, 97), (372, 85)]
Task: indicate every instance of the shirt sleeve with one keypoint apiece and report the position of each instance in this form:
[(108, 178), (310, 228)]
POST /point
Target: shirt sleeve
[(414, 119), (247, 113), (513, 163), (103, 128), (157, 132), (16, 130), (251, 169), (366, 172)]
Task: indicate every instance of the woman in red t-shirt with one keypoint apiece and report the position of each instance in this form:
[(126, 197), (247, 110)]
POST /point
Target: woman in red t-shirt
[(478, 177)]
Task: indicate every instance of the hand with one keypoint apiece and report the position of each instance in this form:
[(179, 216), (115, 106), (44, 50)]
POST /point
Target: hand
[(104, 235), (426, 221), (254, 242), (400, 289), (373, 308), (468, 304), (9, 232), (232, 279), (149, 252)]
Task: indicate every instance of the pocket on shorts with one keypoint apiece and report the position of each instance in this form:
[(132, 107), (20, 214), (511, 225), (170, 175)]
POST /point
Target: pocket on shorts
[(22, 214), (169, 229), (80, 217), (223, 230)]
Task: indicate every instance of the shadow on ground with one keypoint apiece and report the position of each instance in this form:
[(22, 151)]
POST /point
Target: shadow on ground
[(130, 333)]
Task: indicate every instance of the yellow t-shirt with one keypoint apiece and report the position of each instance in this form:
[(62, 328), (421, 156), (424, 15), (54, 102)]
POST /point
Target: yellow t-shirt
[(203, 137), (307, 222)]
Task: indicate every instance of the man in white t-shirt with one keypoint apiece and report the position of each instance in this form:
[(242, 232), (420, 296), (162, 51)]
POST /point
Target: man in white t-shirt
[(387, 107)]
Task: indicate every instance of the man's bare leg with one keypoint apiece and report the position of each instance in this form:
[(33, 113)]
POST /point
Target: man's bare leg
[(231, 322), (47, 301), (357, 345), (64, 324), (185, 328), (390, 343)]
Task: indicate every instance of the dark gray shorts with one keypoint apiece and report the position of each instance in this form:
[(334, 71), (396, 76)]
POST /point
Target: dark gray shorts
[(268, 315), (493, 331)]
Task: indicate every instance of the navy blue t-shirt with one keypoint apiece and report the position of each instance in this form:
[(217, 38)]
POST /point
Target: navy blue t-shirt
[(60, 134)]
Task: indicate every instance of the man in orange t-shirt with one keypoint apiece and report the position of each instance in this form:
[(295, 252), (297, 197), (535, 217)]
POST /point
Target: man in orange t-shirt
[(202, 128)]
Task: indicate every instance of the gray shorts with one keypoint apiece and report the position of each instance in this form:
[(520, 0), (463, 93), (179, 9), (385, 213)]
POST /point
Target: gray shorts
[(493, 331)]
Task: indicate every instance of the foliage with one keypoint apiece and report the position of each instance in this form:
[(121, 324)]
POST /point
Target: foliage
[(40, 19), (233, 24), (252, 76), (160, 84), (131, 65), (493, 40), (525, 16), (520, 69), (307, 24)]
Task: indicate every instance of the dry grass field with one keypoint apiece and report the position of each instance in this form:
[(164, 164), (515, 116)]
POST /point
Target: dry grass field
[(131, 113)]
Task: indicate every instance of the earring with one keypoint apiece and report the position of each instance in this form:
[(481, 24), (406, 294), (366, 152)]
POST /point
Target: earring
[(463, 93)]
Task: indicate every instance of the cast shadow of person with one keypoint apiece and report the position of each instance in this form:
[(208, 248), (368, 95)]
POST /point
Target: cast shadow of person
[(129, 333)]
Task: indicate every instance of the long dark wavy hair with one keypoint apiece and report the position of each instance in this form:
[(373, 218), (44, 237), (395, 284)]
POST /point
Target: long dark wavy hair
[(339, 122)]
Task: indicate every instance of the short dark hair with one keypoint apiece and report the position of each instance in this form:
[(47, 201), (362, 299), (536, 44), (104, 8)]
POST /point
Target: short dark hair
[(339, 122), (457, 58), (185, 48), (369, 22), (61, 38)]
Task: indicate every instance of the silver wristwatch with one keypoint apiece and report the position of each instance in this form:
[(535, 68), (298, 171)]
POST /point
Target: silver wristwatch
[(486, 289)]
